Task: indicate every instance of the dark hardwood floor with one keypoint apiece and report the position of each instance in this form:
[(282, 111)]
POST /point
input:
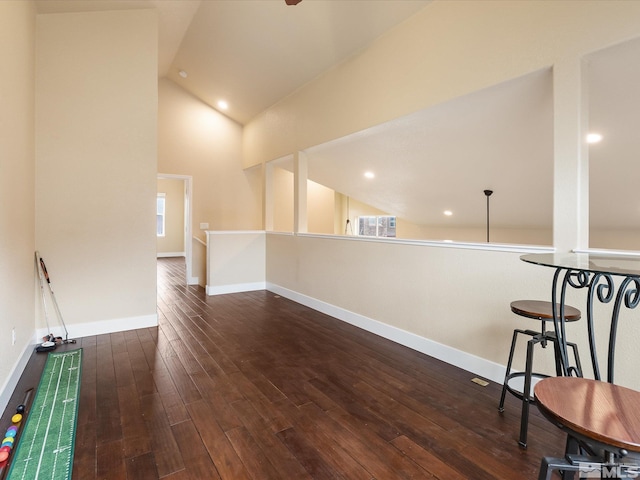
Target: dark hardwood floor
[(254, 386)]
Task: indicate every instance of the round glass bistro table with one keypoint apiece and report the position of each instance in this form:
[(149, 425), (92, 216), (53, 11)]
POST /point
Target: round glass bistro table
[(607, 278)]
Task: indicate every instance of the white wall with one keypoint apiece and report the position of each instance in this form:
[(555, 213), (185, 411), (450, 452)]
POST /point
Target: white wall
[(96, 150), (17, 210)]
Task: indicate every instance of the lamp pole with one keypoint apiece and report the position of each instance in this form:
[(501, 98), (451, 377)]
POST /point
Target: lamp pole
[(488, 194)]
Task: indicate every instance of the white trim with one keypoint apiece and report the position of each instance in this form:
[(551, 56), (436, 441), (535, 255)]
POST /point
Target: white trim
[(597, 251), (169, 254), (496, 247), (79, 330), (471, 363), (233, 232), (14, 376), (235, 288)]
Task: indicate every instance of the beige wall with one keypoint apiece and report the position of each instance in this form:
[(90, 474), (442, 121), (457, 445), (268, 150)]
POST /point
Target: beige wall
[(607, 238), (235, 261), (418, 295), (199, 259), (282, 200), (446, 50), (320, 208), (96, 174), (518, 236), (196, 140), (450, 49), (96, 149), (456, 297), (17, 211), (173, 241)]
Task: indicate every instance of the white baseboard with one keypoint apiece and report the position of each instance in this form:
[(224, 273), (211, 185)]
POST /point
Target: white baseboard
[(75, 331), (469, 362), (79, 330), (16, 372), (169, 254), (193, 281), (235, 288)]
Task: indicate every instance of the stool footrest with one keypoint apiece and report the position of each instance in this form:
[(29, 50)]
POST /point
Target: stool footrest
[(518, 394), (542, 338)]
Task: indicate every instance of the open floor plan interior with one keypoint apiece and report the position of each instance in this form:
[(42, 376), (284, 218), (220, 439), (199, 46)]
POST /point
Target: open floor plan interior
[(255, 386)]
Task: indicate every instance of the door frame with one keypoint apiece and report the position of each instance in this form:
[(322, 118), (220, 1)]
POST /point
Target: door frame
[(188, 200)]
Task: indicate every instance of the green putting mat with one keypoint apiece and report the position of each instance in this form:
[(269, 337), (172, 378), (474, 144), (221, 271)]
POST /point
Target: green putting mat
[(45, 449)]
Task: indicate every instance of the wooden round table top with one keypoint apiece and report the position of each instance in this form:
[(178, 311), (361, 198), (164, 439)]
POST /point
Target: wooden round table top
[(607, 413)]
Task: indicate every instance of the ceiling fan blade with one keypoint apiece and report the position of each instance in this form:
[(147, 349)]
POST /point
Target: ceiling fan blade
[(292, 2)]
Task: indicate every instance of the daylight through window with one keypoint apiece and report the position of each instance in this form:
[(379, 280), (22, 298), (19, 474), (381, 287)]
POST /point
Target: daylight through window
[(377, 226)]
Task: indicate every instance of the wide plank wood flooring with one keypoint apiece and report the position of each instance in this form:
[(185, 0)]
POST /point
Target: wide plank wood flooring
[(255, 386)]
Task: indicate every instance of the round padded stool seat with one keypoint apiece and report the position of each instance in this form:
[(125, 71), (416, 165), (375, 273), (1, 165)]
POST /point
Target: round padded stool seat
[(592, 410), (541, 310)]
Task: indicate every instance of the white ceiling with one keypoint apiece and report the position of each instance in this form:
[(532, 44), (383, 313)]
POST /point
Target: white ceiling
[(444, 157), (253, 53)]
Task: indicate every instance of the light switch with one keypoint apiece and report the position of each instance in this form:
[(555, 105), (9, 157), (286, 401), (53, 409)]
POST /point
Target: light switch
[(204, 226)]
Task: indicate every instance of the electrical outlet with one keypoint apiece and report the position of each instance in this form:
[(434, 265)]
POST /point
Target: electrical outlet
[(13, 336), (204, 226)]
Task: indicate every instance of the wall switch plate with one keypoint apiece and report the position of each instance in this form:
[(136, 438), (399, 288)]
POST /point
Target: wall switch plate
[(204, 226)]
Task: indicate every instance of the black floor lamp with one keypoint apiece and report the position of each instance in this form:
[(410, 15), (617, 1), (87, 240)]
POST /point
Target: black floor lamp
[(488, 194)]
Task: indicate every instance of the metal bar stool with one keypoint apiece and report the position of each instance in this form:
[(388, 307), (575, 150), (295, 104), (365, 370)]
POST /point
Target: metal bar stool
[(543, 311), (602, 424)]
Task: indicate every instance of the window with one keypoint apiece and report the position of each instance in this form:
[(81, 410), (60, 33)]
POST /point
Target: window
[(377, 226), (160, 214)]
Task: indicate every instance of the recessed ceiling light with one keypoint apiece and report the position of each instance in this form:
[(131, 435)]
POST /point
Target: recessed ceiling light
[(369, 174), (594, 138), (448, 213), (183, 74), (222, 105)]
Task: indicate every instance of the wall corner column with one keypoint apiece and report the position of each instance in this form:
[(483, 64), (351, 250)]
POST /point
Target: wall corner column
[(571, 162), (300, 175), (268, 197)]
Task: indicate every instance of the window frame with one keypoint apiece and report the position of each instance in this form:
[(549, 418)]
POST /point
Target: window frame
[(390, 219)]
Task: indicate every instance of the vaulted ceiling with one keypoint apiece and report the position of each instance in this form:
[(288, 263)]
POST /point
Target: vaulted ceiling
[(253, 53)]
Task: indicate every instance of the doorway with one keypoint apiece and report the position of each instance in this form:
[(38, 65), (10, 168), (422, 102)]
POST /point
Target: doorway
[(186, 188)]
